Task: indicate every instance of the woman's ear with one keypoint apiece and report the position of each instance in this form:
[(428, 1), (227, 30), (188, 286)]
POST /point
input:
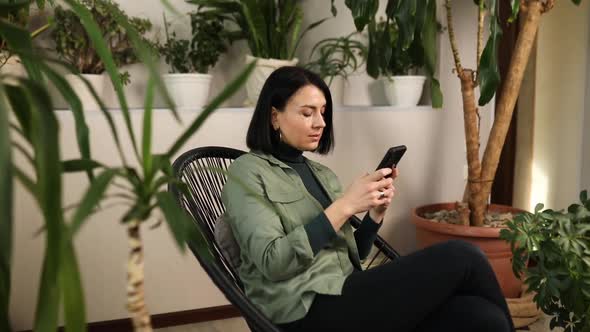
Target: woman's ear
[(274, 113)]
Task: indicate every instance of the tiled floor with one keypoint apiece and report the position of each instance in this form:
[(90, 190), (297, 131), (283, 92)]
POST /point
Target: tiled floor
[(239, 325)]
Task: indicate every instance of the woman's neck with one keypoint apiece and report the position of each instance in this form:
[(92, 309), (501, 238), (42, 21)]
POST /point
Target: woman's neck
[(286, 152)]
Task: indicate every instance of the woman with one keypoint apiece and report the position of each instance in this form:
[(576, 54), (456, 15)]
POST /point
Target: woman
[(301, 259)]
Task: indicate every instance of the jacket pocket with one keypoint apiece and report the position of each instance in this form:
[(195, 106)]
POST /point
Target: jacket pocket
[(279, 195), (288, 203)]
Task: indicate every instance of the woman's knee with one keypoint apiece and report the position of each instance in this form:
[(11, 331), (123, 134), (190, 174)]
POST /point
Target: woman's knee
[(461, 249)]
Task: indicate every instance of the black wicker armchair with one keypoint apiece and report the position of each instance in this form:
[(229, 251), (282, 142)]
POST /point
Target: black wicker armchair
[(194, 168)]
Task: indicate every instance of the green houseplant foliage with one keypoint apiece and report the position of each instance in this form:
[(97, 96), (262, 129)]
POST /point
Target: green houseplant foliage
[(557, 243), (73, 44), (209, 40), (18, 13), (407, 38), (28, 123), (272, 28), (340, 56)]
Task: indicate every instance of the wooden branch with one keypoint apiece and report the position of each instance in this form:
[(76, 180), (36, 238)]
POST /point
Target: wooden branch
[(471, 123), (452, 38), (509, 94)]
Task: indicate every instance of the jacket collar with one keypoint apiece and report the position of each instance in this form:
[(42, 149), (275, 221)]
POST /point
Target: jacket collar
[(274, 160), (270, 158)]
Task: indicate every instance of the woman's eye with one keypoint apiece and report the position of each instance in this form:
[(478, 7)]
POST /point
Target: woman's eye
[(307, 115)]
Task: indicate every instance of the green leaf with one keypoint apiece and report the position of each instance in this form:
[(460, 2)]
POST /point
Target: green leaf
[(488, 74), (19, 40), (176, 217), (95, 34), (373, 52), (229, 90), (44, 132), (363, 12), (71, 285), (428, 37), (406, 21), (91, 198), (21, 108), (539, 207), (146, 151), (583, 196), (6, 211), (12, 6), (435, 93), (80, 165), (515, 4), (82, 133)]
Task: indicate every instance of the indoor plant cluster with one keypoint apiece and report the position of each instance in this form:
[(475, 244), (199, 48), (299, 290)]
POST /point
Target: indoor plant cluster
[(552, 251)]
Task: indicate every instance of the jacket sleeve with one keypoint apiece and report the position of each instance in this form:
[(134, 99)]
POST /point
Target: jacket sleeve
[(257, 226)]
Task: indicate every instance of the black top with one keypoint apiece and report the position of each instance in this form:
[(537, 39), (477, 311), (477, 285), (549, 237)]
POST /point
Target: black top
[(320, 231)]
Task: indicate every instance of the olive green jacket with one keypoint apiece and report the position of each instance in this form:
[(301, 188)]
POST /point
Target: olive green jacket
[(267, 206)]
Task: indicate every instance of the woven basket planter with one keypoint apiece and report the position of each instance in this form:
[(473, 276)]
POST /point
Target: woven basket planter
[(523, 309)]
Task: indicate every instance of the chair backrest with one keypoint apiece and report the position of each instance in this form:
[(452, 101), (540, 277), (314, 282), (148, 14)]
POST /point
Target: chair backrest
[(199, 170)]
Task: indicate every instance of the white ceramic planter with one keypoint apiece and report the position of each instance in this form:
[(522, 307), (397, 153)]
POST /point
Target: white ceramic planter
[(264, 67), (82, 91), (403, 91), (188, 90), (336, 90)]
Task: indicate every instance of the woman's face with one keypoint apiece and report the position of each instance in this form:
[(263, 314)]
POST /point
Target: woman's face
[(302, 122)]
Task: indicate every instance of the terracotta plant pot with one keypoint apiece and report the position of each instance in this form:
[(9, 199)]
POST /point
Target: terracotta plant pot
[(487, 238)]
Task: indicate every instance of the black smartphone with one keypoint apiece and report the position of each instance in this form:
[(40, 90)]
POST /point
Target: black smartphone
[(392, 157)]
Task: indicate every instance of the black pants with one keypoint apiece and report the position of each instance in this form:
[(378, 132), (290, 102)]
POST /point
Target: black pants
[(446, 287)]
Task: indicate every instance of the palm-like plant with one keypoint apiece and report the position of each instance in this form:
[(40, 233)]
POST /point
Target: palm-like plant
[(339, 56), (272, 28), (409, 30), (36, 129)]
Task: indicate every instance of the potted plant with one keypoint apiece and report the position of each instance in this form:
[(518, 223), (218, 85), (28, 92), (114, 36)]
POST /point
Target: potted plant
[(402, 43), (552, 250), (190, 61), (29, 127), (337, 57), (401, 87), (18, 14), (481, 172), (73, 44), (272, 29)]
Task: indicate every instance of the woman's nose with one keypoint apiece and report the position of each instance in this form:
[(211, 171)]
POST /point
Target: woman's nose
[(319, 121)]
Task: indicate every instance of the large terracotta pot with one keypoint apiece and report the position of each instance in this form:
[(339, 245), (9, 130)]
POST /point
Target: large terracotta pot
[(487, 238)]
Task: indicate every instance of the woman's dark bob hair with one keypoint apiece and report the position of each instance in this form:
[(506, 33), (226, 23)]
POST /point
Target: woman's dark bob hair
[(278, 88)]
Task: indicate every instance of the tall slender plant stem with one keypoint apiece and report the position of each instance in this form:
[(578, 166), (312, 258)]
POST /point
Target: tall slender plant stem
[(471, 124), (452, 37), (480, 21), (531, 11), (135, 280)]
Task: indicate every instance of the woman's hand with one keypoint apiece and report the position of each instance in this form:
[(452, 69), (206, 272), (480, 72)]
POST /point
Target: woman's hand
[(378, 212), (369, 191)]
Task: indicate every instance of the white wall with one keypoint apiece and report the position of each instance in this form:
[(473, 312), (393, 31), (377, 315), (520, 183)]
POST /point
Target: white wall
[(560, 96), (586, 130), (432, 171)]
